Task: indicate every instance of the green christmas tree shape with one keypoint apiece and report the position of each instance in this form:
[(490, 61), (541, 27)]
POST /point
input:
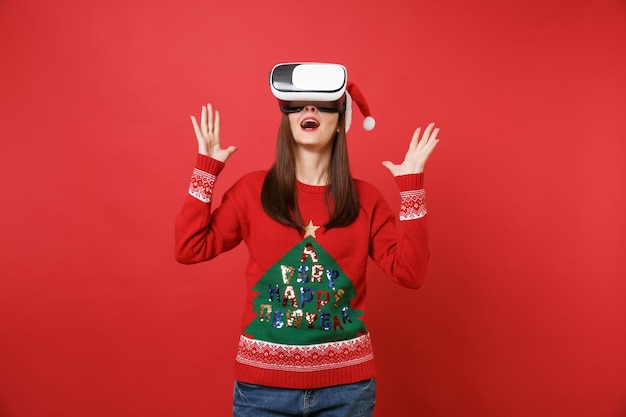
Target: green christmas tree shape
[(304, 299)]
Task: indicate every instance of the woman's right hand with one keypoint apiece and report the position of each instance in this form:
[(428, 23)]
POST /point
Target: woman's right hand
[(208, 135)]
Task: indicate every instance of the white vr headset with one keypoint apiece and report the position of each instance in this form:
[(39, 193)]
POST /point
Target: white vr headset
[(296, 85)]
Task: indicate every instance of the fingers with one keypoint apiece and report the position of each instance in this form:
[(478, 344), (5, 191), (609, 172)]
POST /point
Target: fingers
[(428, 130), (389, 165), (415, 139), (209, 122), (203, 122), (196, 128), (208, 134), (429, 139), (209, 109), (430, 133), (202, 148), (433, 137), (216, 127)]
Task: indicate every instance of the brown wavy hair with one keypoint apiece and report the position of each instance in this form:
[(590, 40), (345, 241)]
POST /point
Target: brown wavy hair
[(279, 193)]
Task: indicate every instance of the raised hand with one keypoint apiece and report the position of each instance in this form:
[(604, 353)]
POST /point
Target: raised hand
[(208, 135), (418, 153)]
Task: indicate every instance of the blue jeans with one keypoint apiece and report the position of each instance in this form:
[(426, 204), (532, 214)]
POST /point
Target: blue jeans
[(350, 400)]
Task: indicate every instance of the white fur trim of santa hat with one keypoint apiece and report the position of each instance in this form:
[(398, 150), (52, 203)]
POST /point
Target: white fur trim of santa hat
[(353, 94)]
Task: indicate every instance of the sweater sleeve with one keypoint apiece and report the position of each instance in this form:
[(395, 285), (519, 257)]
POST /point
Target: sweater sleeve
[(201, 234), (402, 252)]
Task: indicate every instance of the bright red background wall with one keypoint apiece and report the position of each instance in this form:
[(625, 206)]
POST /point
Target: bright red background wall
[(524, 311)]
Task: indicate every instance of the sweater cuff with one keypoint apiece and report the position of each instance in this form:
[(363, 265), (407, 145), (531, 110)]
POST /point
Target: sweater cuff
[(203, 178), (209, 165), (412, 196), (410, 182)]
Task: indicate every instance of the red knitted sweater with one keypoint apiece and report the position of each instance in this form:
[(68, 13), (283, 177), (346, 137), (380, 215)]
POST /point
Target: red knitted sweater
[(303, 324)]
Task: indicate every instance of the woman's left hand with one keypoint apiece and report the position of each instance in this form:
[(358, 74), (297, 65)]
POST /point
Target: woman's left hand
[(418, 153)]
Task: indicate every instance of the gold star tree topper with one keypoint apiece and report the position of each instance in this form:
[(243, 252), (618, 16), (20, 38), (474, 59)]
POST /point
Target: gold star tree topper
[(309, 229)]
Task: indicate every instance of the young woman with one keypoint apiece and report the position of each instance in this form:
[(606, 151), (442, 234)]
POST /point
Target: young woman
[(310, 229)]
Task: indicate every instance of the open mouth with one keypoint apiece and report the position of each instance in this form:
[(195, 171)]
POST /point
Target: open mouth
[(310, 124)]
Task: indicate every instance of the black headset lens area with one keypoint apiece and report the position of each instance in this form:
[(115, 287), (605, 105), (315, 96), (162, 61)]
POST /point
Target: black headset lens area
[(338, 106)]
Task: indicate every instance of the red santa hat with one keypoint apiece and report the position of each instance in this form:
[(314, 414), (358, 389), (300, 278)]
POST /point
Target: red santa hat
[(353, 94)]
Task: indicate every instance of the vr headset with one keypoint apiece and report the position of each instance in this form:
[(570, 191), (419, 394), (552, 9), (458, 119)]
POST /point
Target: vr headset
[(297, 85)]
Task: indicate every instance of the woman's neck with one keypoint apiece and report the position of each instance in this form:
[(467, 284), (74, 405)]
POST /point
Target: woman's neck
[(312, 167)]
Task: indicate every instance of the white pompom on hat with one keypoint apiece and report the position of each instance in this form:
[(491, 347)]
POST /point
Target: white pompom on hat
[(353, 94)]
